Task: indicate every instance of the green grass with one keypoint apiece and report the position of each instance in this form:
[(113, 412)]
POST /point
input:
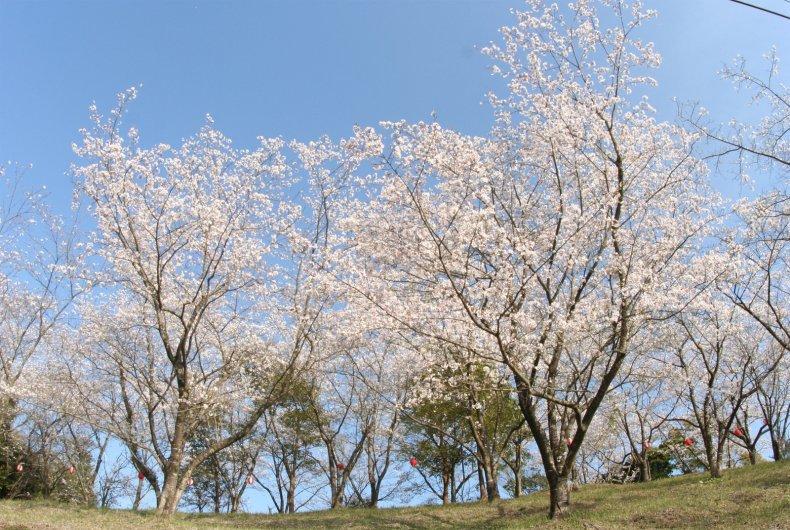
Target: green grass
[(749, 497)]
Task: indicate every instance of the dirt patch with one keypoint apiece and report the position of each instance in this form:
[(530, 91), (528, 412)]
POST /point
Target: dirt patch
[(744, 497)]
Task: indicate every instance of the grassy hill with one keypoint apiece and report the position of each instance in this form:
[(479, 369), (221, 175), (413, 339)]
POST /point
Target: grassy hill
[(750, 497)]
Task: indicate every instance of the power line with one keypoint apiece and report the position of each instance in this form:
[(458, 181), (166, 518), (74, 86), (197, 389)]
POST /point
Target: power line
[(761, 8)]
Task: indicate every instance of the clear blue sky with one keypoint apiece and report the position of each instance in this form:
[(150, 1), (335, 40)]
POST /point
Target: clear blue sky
[(301, 69)]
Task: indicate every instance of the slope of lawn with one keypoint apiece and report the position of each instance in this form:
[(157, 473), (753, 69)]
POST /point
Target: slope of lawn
[(750, 497)]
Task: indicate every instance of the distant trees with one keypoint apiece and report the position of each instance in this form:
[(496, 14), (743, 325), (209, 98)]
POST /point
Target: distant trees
[(39, 257), (723, 361), (437, 437), (773, 399), (288, 450)]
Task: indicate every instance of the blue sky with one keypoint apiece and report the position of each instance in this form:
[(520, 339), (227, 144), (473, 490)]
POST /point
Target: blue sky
[(301, 69)]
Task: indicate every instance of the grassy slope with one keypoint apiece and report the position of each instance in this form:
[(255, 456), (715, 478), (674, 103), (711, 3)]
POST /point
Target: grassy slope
[(751, 497)]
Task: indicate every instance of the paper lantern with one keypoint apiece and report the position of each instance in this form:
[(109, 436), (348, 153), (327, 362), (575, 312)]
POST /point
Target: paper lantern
[(250, 480), (140, 475), (340, 466), (413, 462), (766, 422), (737, 431), (688, 442), (20, 467), (568, 441), (648, 445), (190, 481), (71, 470)]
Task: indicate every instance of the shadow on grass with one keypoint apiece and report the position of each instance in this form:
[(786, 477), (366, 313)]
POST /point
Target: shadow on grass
[(506, 516), (772, 481)]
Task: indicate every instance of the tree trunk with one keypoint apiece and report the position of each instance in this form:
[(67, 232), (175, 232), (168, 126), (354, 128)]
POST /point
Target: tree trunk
[(171, 494), (713, 454), (446, 487), (168, 502), (217, 495), (777, 451), (559, 495), (174, 484), (453, 491), (644, 470), (235, 503), (481, 482), (517, 485), (370, 451), (291, 497), (337, 499), (335, 487), (138, 495), (714, 463), (492, 487)]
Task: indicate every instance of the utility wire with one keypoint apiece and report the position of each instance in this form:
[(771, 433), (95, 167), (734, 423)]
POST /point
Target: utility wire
[(761, 8)]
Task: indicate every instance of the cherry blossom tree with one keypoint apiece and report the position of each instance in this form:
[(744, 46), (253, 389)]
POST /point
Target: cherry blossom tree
[(387, 395), (206, 259), (760, 287), (183, 238), (39, 260), (343, 422), (550, 245), (751, 432), (773, 397), (723, 358), (644, 403), (758, 283), (39, 256), (297, 316)]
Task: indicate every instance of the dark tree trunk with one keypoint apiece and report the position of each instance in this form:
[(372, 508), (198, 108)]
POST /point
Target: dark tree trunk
[(481, 481), (138, 495), (559, 495), (644, 470), (777, 451)]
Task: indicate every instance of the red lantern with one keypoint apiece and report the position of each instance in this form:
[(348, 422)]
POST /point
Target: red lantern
[(688, 442), (20, 467), (250, 480), (737, 431), (71, 470), (140, 475), (568, 441), (766, 422), (413, 462), (190, 481), (341, 466), (648, 445)]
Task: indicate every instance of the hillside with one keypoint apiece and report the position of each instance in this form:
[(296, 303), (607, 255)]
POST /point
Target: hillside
[(753, 497)]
